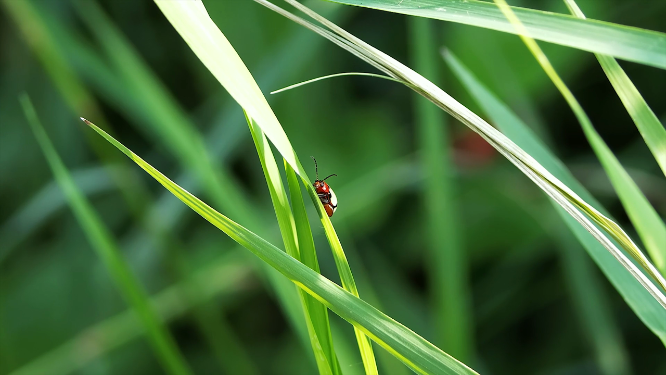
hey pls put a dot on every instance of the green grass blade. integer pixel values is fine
(449, 295)
(195, 26)
(417, 353)
(163, 344)
(624, 42)
(224, 276)
(652, 229)
(646, 121)
(647, 222)
(645, 307)
(322, 352)
(306, 247)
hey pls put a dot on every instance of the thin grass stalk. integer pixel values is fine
(447, 263)
(317, 311)
(554, 188)
(102, 241)
(652, 131)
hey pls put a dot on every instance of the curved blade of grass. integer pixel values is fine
(195, 26)
(624, 42)
(555, 189)
(649, 226)
(643, 305)
(102, 241)
(322, 345)
(226, 275)
(448, 264)
(653, 133)
(332, 76)
(417, 353)
(306, 247)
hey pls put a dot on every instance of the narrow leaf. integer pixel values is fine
(624, 42)
(318, 312)
(648, 224)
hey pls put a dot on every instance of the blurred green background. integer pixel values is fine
(532, 289)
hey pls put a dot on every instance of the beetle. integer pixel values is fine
(324, 192)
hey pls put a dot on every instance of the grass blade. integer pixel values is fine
(306, 247)
(624, 42)
(647, 222)
(331, 76)
(159, 337)
(449, 283)
(417, 353)
(645, 307)
(321, 344)
(193, 23)
(579, 209)
(654, 134)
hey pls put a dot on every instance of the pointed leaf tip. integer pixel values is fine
(86, 121)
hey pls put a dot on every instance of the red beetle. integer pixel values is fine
(325, 193)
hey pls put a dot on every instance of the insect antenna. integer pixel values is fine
(330, 176)
(316, 169)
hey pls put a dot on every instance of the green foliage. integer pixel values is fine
(442, 235)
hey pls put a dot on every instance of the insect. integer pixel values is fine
(325, 193)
